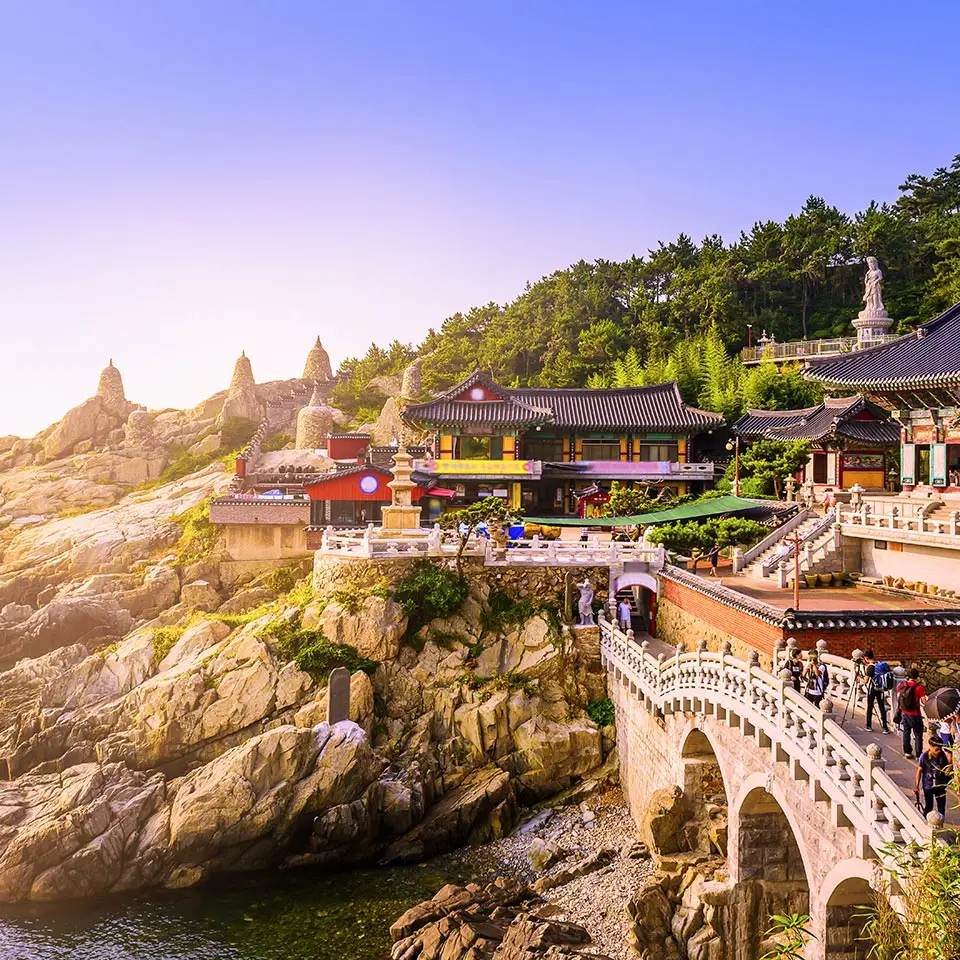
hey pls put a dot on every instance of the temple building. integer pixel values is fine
(851, 440)
(917, 378)
(552, 451)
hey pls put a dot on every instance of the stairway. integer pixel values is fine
(755, 567)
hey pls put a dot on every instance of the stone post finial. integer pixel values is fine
(874, 751)
(701, 644)
(785, 675)
(754, 658)
(935, 819)
(826, 707)
(726, 647)
(821, 645)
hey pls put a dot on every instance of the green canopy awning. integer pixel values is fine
(729, 506)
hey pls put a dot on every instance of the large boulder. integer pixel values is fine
(375, 629)
(550, 756)
(667, 812)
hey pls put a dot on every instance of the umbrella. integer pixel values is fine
(943, 704)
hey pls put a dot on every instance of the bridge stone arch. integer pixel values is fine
(635, 579)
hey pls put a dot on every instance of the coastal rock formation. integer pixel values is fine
(93, 420)
(164, 751)
(504, 919)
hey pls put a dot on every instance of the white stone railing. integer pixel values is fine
(768, 710)
(780, 561)
(366, 543)
(862, 521)
(742, 560)
(801, 349)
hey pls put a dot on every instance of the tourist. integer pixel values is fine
(624, 615)
(879, 679)
(714, 557)
(934, 772)
(910, 698)
(795, 666)
(816, 678)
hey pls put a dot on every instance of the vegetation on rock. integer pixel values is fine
(163, 640)
(199, 536)
(601, 711)
(428, 592)
(312, 652)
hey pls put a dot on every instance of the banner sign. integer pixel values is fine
(480, 468)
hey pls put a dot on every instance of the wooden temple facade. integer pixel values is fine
(851, 440)
(917, 379)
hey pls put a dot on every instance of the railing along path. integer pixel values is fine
(853, 779)
(515, 553)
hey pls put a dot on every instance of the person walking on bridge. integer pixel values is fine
(934, 772)
(910, 697)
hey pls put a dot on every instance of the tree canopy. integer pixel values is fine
(682, 310)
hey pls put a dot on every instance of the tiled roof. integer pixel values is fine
(927, 357)
(658, 407)
(836, 415)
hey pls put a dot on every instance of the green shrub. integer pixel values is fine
(312, 652)
(281, 580)
(164, 639)
(601, 711)
(429, 591)
(502, 611)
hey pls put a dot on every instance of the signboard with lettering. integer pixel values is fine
(863, 461)
(925, 433)
(908, 455)
(938, 464)
(480, 468)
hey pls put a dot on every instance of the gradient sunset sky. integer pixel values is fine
(182, 180)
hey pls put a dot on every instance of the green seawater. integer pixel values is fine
(298, 915)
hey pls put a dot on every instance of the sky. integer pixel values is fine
(183, 180)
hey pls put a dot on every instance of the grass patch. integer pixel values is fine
(164, 639)
(199, 536)
(509, 681)
(601, 711)
(272, 444)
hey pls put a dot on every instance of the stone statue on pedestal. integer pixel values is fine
(585, 604)
(873, 322)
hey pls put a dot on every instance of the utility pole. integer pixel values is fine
(794, 541)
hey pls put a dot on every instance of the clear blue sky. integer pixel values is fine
(181, 180)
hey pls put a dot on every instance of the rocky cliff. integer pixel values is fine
(162, 719)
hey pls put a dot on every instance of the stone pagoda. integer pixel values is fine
(873, 322)
(314, 422)
(242, 402)
(401, 516)
(317, 367)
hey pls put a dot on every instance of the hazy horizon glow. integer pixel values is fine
(181, 181)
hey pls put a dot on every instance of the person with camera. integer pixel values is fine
(878, 679)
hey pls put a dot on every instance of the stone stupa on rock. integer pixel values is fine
(242, 402)
(110, 391)
(314, 422)
(317, 368)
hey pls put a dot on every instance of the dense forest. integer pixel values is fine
(682, 311)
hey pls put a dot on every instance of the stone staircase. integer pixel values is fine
(764, 560)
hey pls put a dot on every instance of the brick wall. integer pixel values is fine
(687, 616)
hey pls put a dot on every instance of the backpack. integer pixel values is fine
(825, 676)
(882, 676)
(908, 698)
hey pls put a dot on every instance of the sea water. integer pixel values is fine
(297, 915)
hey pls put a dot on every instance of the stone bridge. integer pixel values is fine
(812, 814)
